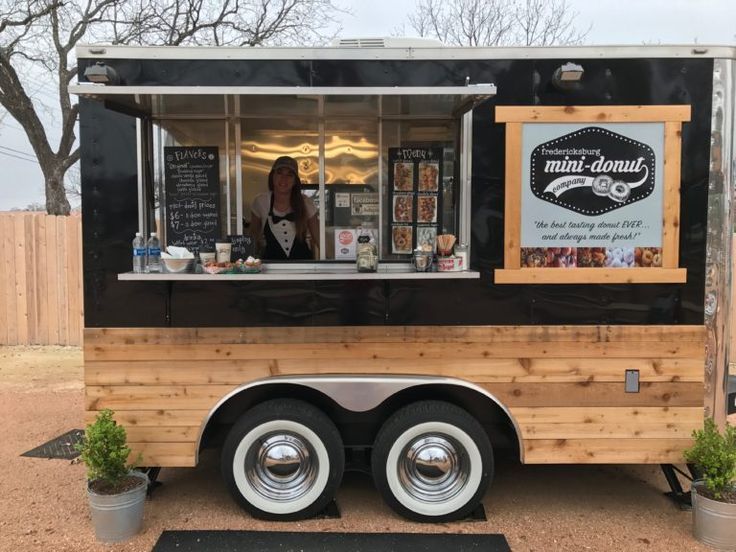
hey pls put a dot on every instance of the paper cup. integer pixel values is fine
(207, 256)
(223, 251)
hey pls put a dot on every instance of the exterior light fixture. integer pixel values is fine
(567, 76)
(101, 73)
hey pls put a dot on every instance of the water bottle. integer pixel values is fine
(139, 253)
(154, 253)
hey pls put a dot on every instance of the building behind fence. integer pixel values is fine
(40, 279)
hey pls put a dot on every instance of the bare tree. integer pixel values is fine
(496, 22)
(38, 37)
(546, 23)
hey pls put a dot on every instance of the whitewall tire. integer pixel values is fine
(283, 460)
(432, 462)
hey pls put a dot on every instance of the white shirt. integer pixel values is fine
(284, 231)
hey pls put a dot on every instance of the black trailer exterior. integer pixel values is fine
(441, 368)
(110, 208)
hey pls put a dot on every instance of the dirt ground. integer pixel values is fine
(43, 505)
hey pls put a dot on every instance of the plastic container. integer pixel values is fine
(366, 259)
(139, 253)
(153, 249)
(461, 251)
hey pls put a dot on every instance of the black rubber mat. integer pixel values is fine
(266, 541)
(60, 447)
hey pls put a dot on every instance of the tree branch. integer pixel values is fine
(70, 159)
(38, 37)
(497, 22)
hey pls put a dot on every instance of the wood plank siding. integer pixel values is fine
(564, 385)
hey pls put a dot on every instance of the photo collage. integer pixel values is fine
(414, 191)
(591, 257)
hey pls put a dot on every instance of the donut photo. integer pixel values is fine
(591, 257)
(561, 257)
(429, 176)
(401, 239)
(427, 235)
(404, 177)
(427, 209)
(647, 257)
(533, 257)
(403, 208)
(620, 257)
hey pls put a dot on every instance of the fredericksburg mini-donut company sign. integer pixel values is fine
(587, 188)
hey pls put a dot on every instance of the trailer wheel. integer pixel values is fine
(283, 460)
(432, 462)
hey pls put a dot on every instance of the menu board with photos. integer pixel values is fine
(414, 197)
(192, 180)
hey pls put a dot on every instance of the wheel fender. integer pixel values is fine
(357, 393)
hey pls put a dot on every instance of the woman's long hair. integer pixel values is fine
(297, 205)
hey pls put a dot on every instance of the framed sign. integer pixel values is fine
(592, 194)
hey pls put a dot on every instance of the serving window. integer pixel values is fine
(592, 194)
(385, 161)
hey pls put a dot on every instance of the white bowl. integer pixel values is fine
(177, 265)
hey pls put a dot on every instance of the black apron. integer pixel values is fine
(274, 251)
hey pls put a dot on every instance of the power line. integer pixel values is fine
(19, 151)
(11, 125)
(18, 157)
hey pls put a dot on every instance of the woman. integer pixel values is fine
(283, 216)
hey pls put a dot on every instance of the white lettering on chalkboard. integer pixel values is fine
(192, 196)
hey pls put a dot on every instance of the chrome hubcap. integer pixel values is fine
(433, 468)
(281, 466)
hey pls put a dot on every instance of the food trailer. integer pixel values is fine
(589, 189)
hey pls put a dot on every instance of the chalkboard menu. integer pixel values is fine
(192, 180)
(415, 177)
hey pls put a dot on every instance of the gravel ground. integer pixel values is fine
(43, 503)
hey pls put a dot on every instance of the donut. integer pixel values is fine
(620, 191)
(656, 259)
(647, 257)
(536, 260)
(629, 257)
(602, 184)
(637, 256)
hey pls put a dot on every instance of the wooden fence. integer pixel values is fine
(40, 279)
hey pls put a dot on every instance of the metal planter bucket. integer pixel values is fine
(714, 523)
(118, 517)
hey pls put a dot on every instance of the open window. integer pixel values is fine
(387, 160)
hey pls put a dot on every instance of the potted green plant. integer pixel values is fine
(714, 494)
(116, 492)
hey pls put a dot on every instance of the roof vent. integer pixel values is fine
(388, 42)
